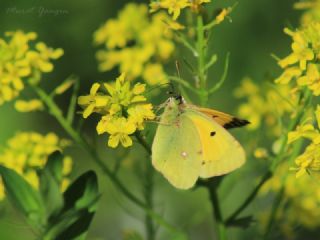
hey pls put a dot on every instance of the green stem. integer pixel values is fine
(149, 188)
(56, 112)
(201, 47)
(274, 210)
(203, 95)
(213, 188)
(249, 199)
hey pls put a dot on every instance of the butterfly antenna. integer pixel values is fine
(156, 87)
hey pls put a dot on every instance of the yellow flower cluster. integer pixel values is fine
(302, 199)
(19, 62)
(135, 43)
(263, 104)
(174, 7)
(302, 64)
(28, 151)
(123, 109)
(309, 160)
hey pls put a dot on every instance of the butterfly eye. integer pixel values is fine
(179, 98)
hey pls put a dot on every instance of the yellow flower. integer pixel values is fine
(119, 129)
(305, 131)
(28, 151)
(28, 106)
(174, 6)
(93, 101)
(196, 4)
(309, 160)
(139, 113)
(122, 95)
(301, 51)
(125, 112)
(288, 75)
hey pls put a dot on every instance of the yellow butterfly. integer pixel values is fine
(193, 142)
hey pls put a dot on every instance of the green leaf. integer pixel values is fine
(50, 182)
(80, 201)
(78, 228)
(23, 196)
(223, 77)
(83, 192)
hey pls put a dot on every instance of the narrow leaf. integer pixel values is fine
(23, 196)
(223, 77)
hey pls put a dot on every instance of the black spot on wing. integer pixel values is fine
(236, 122)
(212, 134)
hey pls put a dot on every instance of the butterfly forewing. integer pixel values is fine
(176, 152)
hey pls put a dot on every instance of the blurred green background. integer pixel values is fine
(254, 33)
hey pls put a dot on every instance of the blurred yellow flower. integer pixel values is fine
(154, 74)
(174, 7)
(124, 112)
(264, 104)
(28, 106)
(133, 40)
(302, 199)
(19, 62)
(260, 153)
(312, 13)
(28, 151)
(223, 14)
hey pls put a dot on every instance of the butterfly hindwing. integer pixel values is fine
(221, 152)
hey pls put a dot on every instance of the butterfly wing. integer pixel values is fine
(221, 153)
(176, 152)
(223, 119)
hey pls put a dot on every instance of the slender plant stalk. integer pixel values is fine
(203, 94)
(55, 111)
(274, 209)
(201, 48)
(149, 187)
(275, 162)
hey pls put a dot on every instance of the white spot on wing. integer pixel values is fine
(184, 154)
